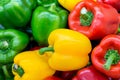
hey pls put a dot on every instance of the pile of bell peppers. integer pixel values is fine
(59, 40)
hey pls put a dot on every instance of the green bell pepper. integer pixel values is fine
(11, 43)
(47, 3)
(16, 13)
(47, 19)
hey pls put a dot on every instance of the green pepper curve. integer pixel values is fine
(16, 13)
(11, 43)
(46, 19)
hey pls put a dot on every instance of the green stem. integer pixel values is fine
(109, 61)
(5, 71)
(86, 17)
(45, 49)
(18, 69)
(112, 57)
(52, 8)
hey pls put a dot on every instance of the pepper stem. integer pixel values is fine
(109, 61)
(3, 44)
(45, 49)
(52, 8)
(18, 69)
(5, 71)
(112, 57)
(86, 17)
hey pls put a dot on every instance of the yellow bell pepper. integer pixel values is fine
(29, 65)
(69, 4)
(69, 49)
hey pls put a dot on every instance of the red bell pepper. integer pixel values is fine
(89, 73)
(106, 56)
(113, 3)
(93, 19)
(119, 18)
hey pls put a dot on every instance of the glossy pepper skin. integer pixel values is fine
(47, 19)
(92, 19)
(119, 18)
(47, 3)
(29, 65)
(89, 73)
(16, 13)
(68, 4)
(106, 56)
(11, 43)
(69, 49)
(113, 3)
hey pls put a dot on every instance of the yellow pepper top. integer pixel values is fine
(32, 66)
(69, 4)
(70, 50)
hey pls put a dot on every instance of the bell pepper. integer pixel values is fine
(29, 65)
(16, 13)
(106, 56)
(92, 19)
(44, 20)
(69, 50)
(119, 18)
(69, 4)
(89, 73)
(113, 3)
(11, 43)
(47, 3)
